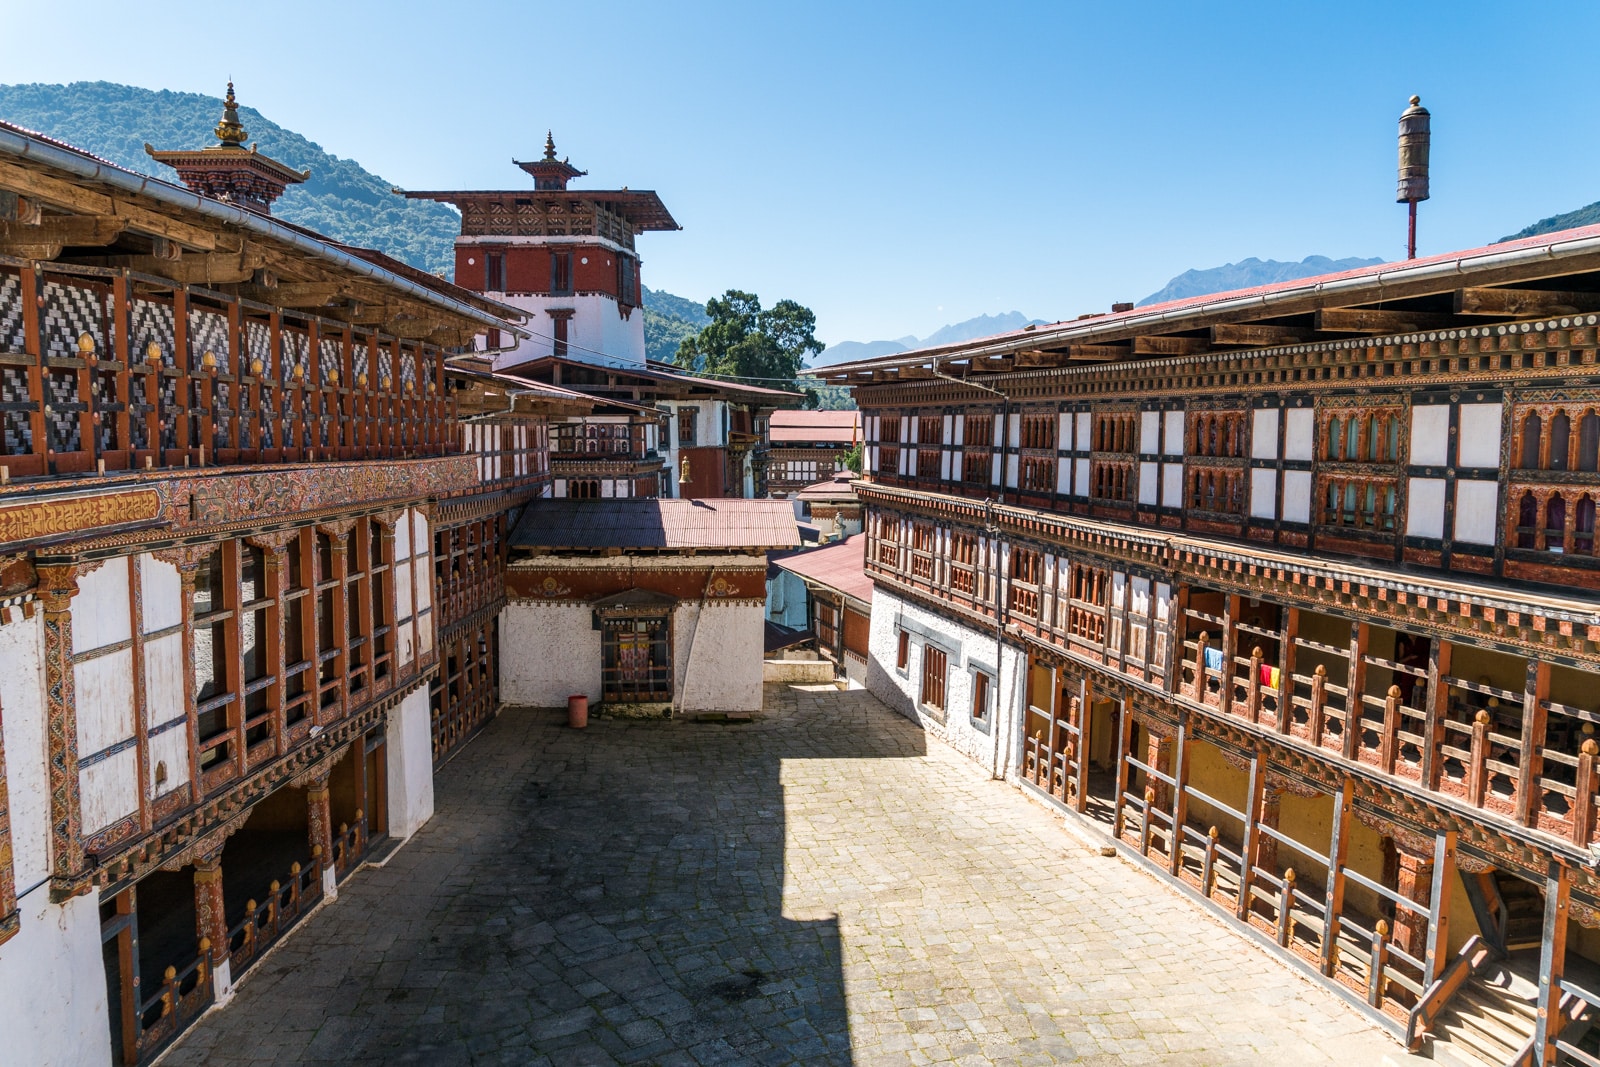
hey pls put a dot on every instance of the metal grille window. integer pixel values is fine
(636, 663)
(934, 667)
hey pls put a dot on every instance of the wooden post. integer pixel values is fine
(1552, 963)
(1144, 820)
(1354, 706)
(1287, 652)
(319, 828)
(1208, 865)
(1200, 643)
(1254, 790)
(1334, 901)
(1478, 769)
(1536, 688)
(1319, 700)
(1230, 643)
(1286, 909)
(1180, 800)
(211, 921)
(1085, 699)
(1389, 744)
(1414, 880)
(1433, 726)
(1444, 879)
(1378, 964)
(1124, 748)
(1253, 686)
(1583, 794)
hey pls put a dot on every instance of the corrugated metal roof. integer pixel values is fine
(841, 566)
(647, 524)
(834, 427)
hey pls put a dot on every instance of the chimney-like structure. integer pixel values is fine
(227, 170)
(550, 174)
(1416, 137)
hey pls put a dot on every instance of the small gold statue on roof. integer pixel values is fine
(229, 131)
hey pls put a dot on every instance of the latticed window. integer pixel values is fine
(1361, 436)
(935, 668)
(1218, 434)
(963, 552)
(1027, 565)
(1038, 474)
(1114, 431)
(1039, 431)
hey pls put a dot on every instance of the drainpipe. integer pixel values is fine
(993, 529)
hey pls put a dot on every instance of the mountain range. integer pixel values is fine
(350, 204)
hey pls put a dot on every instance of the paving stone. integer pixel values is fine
(822, 885)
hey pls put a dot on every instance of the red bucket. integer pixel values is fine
(577, 711)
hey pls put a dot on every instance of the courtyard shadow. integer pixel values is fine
(613, 895)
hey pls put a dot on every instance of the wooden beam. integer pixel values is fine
(1033, 357)
(994, 364)
(1097, 353)
(1372, 320)
(1169, 346)
(76, 198)
(63, 230)
(412, 328)
(915, 372)
(204, 268)
(1524, 303)
(1256, 336)
(297, 294)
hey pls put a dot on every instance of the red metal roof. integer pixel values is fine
(802, 427)
(841, 565)
(1066, 329)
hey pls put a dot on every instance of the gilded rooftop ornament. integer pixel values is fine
(229, 131)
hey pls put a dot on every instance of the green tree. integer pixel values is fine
(851, 457)
(746, 342)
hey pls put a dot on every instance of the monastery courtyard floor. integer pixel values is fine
(818, 887)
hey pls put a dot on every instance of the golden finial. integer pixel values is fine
(1415, 100)
(549, 144)
(229, 131)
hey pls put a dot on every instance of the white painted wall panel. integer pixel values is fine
(1083, 431)
(170, 747)
(402, 536)
(1296, 496)
(1080, 477)
(1264, 494)
(408, 752)
(1172, 435)
(717, 652)
(104, 689)
(1149, 483)
(1064, 430)
(1172, 485)
(1149, 432)
(1479, 436)
(110, 789)
(1477, 511)
(1299, 433)
(960, 431)
(101, 610)
(161, 591)
(1430, 435)
(1064, 477)
(402, 589)
(53, 985)
(567, 660)
(1014, 429)
(1425, 507)
(26, 754)
(1264, 434)
(164, 683)
(1011, 471)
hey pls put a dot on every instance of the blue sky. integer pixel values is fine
(900, 166)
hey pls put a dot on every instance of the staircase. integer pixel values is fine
(1488, 1022)
(1524, 918)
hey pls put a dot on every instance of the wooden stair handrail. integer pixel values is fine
(1568, 1010)
(1471, 959)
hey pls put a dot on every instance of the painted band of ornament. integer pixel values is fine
(41, 519)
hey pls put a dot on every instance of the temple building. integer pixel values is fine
(1292, 592)
(567, 258)
(807, 447)
(254, 506)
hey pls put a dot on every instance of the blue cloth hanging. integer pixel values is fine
(1213, 659)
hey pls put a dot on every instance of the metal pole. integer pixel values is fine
(1411, 231)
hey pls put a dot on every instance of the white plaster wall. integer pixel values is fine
(408, 741)
(547, 653)
(595, 324)
(27, 756)
(53, 985)
(967, 649)
(718, 653)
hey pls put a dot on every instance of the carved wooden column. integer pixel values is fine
(319, 828)
(1158, 755)
(1271, 810)
(57, 586)
(211, 921)
(9, 921)
(1414, 881)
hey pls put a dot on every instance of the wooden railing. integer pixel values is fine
(263, 924)
(177, 1001)
(349, 845)
(1473, 957)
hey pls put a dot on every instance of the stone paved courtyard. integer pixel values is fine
(818, 887)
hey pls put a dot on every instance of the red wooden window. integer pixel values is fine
(934, 667)
(903, 656)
